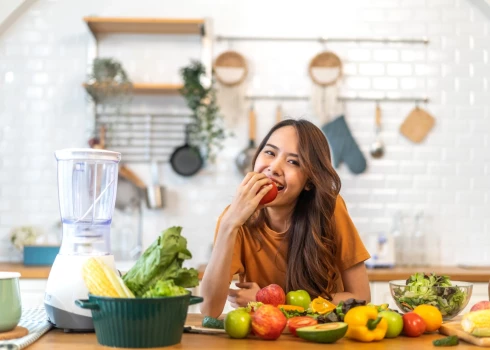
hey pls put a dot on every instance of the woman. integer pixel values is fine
(303, 239)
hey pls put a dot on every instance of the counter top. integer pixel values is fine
(58, 340)
(26, 271)
(468, 274)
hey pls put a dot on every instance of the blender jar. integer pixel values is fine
(87, 183)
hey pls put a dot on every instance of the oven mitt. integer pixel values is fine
(344, 147)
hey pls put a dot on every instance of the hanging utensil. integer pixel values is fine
(230, 68)
(417, 125)
(244, 159)
(186, 160)
(131, 176)
(278, 114)
(100, 143)
(155, 193)
(377, 147)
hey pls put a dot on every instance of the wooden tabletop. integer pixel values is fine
(26, 271)
(470, 274)
(58, 340)
(467, 274)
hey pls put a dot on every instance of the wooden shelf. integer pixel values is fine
(100, 25)
(152, 88)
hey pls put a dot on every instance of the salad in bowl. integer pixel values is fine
(450, 297)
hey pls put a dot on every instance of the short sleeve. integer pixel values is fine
(236, 261)
(350, 249)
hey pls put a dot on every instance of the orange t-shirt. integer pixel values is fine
(265, 262)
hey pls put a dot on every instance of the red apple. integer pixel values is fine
(268, 322)
(481, 305)
(273, 294)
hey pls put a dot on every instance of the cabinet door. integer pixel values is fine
(380, 294)
(32, 292)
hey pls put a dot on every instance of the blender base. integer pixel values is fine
(82, 323)
(65, 285)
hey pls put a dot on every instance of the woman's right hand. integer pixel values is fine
(249, 193)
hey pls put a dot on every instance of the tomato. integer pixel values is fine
(299, 298)
(431, 316)
(413, 324)
(299, 322)
(270, 196)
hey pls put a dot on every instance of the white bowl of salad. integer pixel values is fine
(450, 297)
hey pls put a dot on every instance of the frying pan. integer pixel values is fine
(186, 160)
(244, 159)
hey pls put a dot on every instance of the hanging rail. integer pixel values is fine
(342, 98)
(324, 39)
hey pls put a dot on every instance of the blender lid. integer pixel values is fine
(87, 154)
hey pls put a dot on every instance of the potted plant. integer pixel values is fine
(108, 82)
(207, 132)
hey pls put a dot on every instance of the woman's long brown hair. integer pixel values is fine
(312, 245)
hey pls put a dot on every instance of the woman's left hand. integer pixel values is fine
(241, 297)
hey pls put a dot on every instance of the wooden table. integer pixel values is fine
(58, 340)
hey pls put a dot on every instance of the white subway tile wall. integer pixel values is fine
(43, 61)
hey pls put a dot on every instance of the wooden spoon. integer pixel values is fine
(377, 147)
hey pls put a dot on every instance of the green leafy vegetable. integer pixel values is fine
(430, 289)
(165, 289)
(162, 261)
(452, 340)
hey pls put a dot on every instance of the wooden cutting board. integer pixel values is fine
(454, 328)
(417, 125)
(17, 332)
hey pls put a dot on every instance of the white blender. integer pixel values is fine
(87, 183)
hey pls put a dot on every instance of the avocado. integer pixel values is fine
(323, 333)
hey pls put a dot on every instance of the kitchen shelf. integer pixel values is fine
(101, 25)
(153, 88)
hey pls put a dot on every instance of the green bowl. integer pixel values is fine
(138, 322)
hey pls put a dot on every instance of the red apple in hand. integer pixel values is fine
(268, 322)
(481, 305)
(273, 294)
(271, 195)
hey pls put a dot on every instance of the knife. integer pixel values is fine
(203, 330)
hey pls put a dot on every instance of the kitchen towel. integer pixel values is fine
(344, 147)
(36, 321)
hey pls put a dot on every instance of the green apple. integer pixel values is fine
(395, 323)
(238, 323)
(299, 298)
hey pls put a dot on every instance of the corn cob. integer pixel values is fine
(477, 323)
(103, 281)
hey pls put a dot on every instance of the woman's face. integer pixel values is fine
(279, 161)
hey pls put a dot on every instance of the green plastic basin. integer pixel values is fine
(138, 322)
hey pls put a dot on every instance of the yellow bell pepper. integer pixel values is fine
(364, 324)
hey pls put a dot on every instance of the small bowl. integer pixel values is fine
(138, 322)
(444, 298)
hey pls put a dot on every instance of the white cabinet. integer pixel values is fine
(32, 292)
(196, 308)
(380, 294)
